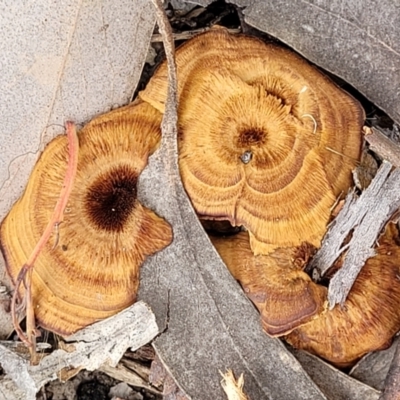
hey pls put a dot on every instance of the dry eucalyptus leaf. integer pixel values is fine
(373, 368)
(69, 60)
(103, 342)
(334, 383)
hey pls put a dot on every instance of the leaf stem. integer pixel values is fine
(25, 275)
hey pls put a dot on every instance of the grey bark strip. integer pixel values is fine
(209, 324)
(365, 217)
(100, 343)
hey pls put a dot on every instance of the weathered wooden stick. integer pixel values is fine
(350, 216)
(364, 217)
(377, 213)
(382, 145)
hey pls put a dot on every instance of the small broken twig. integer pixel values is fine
(382, 145)
(25, 275)
(189, 34)
(232, 387)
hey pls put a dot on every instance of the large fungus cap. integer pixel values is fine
(285, 296)
(89, 269)
(266, 140)
(369, 318)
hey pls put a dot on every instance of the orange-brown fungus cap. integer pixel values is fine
(266, 140)
(285, 295)
(369, 318)
(89, 269)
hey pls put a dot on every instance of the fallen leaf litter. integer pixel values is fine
(278, 100)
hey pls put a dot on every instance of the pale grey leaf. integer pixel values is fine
(373, 368)
(70, 59)
(334, 383)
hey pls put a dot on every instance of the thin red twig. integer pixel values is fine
(25, 275)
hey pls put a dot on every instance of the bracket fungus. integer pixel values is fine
(266, 140)
(291, 304)
(89, 269)
(283, 293)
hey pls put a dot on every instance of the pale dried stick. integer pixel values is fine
(233, 388)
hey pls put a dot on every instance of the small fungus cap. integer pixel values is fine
(283, 293)
(266, 140)
(89, 269)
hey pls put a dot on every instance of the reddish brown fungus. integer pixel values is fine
(93, 270)
(285, 295)
(266, 140)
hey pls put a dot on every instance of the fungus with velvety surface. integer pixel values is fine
(89, 269)
(291, 304)
(369, 318)
(285, 296)
(266, 140)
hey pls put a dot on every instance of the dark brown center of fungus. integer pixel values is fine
(111, 198)
(251, 137)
